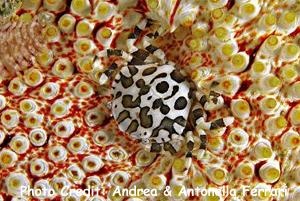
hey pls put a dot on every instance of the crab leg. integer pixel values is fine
(211, 102)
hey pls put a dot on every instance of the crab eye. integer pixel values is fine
(39, 167)
(49, 90)
(7, 158)
(81, 7)
(66, 23)
(14, 183)
(38, 137)
(77, 145)
(218, 175)
(290, 140)
(84, 46)
(10, 118)
(245, 170)
(120, 178)
(83, 90)
(75, 173)
(63, 68)
(17, 87)
(51, 33)
(84, 28)
(64, 128)
(57, 153)
(2, 102)
(92, 163)
(270, 172)
(33, 120)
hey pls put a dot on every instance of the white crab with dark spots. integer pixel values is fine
(152, 103)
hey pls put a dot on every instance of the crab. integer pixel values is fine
(154, 103)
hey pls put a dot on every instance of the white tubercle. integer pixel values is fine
(270, 83)
(10, 118)
(38, 137)
(28, 106)
(84, 46)
(84, 28)
(81, 7)
(63, 68)
(120, 178)
(294, 115)
(229, 84)
(218, 175)
(33, 120)
(289, 52)
(245, 170)
(45, 186)
(92, 163)
(77, 145)
(238, 139)
(14, 183)
(105, 36)
(275, 125)
(249, 10)
(75, 173)
(270, 171)
(57, 153)
(260, 68)
(66, 23)
(2, 102)
(49, 90)
(288, 22)
(103, 138)
(33, 77)
(240, 108)
(54, 5)
(104, 11)
(8, 158)
(262, 150)
(39, 167)
(290, 140)
(83, 90)
(64, 128)
(17, 86)
(214, 4)
(19, 144)
(268, 105)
